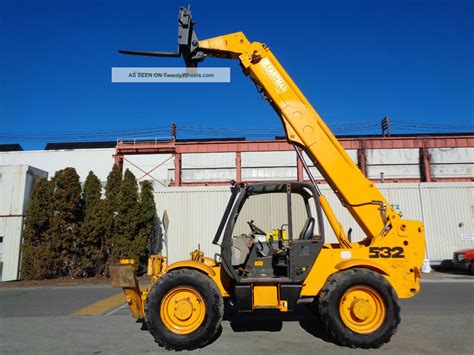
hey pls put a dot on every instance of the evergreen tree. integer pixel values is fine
(91, 192)
(112, 188)
(35, 249)
(93, 229)
(128, 218)
(147, 224)
(64, 226)
(112, 191)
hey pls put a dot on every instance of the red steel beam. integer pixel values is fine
(425, 165)
(238, 146)
(238, 167)
(177, 169)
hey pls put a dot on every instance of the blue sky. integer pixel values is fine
(356, 61)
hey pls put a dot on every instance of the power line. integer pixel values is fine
(222, 132)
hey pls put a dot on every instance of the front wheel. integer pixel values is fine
(184, 310)
(359, 308)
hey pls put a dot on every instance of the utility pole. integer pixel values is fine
(385, 127)
(173, 131)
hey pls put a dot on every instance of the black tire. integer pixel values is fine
(331, 296)
(313, 307)
(214, 309)
(471, 268)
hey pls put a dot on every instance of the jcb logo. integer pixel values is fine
(386, 252)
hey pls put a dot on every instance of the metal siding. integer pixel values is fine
(268, 159)
(393, 171)
(195, 213)
(12, 186)
(448, 210)
(392, 156)
(452, 162)
(393, 163)
(207, 167)
(16, 183)
(208, 160)
(262, 174)
(207, 175)
(452, 170)
(451, 155)
(10, 229)
(262, 166)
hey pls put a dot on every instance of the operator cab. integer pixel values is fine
(271, 232)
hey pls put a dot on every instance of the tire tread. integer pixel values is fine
(348, 338)
(217, 306)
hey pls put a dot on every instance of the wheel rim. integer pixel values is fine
(362, 309)
(182, 310)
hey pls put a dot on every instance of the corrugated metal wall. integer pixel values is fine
(259, 166)
(16, 183)
(449, 211)
(393, 163)
(208, 167)
(446, 208)
(452, 162)
(10, 230)
(194, 214)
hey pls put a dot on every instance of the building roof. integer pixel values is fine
(11, 147)
(112, 144)
(80, 145)
(403, 135)
(212, 139)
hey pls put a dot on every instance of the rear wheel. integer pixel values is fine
(184, 310)
(359, 308)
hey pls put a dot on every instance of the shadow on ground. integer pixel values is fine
(272, 321)
(268, 321)
(447, 267)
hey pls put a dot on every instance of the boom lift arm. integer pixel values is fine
(305, 128)
(303, 125)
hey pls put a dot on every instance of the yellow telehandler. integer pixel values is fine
(355, 286)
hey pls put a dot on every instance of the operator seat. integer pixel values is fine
(240, 249)
(307, 232)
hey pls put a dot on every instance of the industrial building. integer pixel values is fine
(430, 178)
(403, 158)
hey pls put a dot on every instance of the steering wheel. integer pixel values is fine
(255, 229)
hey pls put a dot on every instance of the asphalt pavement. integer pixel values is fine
(39, 320)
